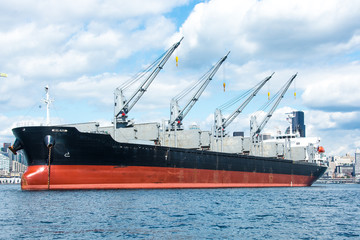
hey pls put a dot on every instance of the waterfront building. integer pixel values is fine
(344, 171)
(357, 163)
(330, 171)
(344, 160)
(341, 166)
(4, 164)
(5, 147)
(11, 164)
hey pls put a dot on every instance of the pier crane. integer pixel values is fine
(176, 114)
(221, 123)
(255, 129)
(122, 105)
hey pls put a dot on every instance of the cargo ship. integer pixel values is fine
(150, 155)
(64, 158)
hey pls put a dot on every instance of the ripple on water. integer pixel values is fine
(321, 212)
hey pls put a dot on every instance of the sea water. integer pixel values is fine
(317, 212)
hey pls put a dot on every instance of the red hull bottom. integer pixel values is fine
(66, 177)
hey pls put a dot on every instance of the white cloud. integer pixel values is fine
(15, 92)
(98, 88)
(85, 49)
(275, 30)
(57, 51)
(284, 37)
(333, 89)
(64, 39)
(325, 121)
(67, 11)
(8, 123)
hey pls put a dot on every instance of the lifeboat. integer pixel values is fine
(321, 149)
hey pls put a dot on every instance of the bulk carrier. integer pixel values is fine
(154, 155)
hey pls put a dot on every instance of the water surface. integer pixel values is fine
(317, 212)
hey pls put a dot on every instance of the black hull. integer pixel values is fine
(74, 148)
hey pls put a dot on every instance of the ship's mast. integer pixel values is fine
(47, 101)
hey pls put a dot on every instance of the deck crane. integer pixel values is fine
(256, 129)
(176, 114)
(122, 105)
(221, 123)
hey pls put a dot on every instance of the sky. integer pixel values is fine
(84, 50)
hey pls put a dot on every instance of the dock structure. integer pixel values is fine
(336, 180)
(10, 180)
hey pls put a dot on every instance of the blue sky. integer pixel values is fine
(85, 49)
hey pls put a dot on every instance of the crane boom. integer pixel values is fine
(177, 115)
(123, 106)
(236, 113)
(268, 116)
